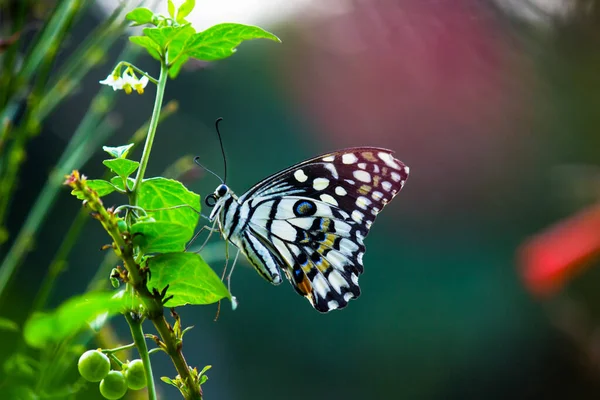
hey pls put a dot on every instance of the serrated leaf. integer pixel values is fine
(72, 316)
(8, 325)
(140, 16)
(174, 227)
(100, 186)
(122, 166)
(185, 9)
(118, 152)
(220, 41)
(190, 279)
(151, 47)
(171, 8)
(118, 182)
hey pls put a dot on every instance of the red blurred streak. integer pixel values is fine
(548, 260)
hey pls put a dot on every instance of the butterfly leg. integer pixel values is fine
(211, 229)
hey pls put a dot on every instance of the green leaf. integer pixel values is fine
(176, 215)
(140, 16)
(100, 186)
(73, 315)
(178, 42)
(118, 152)
(160, 237)
(122, 166)
(220, 41)
(190, 279)
(160, 36)
(171, 8)
(151, 47)
(185, 9)
(169, 381)
(176, 66)
(8, 325)
(118, 182)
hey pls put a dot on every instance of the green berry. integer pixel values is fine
(122, 225)
(93, 365)
(113, 386)
(135, 375)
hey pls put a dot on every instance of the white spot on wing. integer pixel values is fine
(337, 259)
(357, 216)
(284, 230)
(362, 176)
(349, 158)
(406, 170)
(340, 191)
(337, 281)
(359, 257)
(300, 176)
(362, 165)
(332, 305)
(396, 176)
(386, 185)
(327, 198)
(363, 202)
(354, 279)
(377, 195)
(320, 183)
(348, 245)
(320, 285)
(388, 160)
(329, 158)
(350, 181)
(332, 169)
(348, 295)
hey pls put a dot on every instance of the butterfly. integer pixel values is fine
(311, 219)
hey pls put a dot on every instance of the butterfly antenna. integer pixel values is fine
(222, 148)
(206, 169)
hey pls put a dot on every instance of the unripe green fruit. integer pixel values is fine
(93, 365)
(113, 386)
(135, 375)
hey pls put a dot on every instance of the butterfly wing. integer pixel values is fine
(315, 216)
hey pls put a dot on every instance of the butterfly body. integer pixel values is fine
(310, 221)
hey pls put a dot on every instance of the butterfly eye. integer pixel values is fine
(210, 200)
(222, 190)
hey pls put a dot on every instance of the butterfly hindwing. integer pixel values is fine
(314, 217)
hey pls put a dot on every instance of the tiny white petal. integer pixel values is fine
(144, 81)
(112, 81)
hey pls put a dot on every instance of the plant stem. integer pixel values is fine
(160, 91)
(117, 349)
(139, 71)
(135, 325)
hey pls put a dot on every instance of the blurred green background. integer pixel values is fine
(495, 106)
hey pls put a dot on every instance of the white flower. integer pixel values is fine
(141, 84)
(129, 82)
(113, 81)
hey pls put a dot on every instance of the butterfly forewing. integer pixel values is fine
(313, 217)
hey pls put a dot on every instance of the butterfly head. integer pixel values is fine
(217, 199)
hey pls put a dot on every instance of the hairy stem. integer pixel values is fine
(135, 325)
